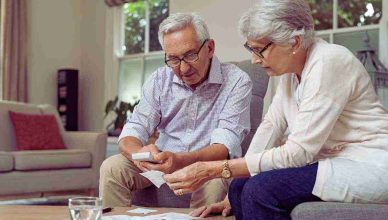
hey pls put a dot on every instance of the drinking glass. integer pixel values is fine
(85, 208)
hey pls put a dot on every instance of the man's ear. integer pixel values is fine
(211, 47)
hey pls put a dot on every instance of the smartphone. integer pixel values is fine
(143, 156)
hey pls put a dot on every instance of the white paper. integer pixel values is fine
(155, 176)
(170, 215)
(142, 211)
(164, 216)
(117, 217)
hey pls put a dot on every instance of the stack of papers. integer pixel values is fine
(164, 216)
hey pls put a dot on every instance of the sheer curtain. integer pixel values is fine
(13, 55)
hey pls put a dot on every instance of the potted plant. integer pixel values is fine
(121, 109)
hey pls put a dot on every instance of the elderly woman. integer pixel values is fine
(337, 143)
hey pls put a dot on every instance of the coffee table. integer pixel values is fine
(31, 212)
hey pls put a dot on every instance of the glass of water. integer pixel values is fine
(85, 208)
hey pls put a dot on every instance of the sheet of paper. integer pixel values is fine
(164, 216)
(142, 211)
(171, 216)
(117, 217)
(155, 176)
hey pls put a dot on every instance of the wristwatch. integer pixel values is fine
(226, 173)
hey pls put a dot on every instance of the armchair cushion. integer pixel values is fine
(337, 210)
(52, 159)
(6, 161)
(36, 131)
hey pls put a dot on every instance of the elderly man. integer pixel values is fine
(199, 106)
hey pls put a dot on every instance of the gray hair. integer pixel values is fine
(179, 21)
(279, 21)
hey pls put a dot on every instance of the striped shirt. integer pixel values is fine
(217, 111)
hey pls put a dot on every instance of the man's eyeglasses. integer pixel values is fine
(257, 51)
(188, 58)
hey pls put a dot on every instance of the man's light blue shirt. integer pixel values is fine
(217, 111)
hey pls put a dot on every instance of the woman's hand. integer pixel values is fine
(188, 179)
(221, 207)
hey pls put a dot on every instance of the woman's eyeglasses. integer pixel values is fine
(258, 51)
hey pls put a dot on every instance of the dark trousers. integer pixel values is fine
(272, 194)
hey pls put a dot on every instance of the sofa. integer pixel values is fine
(31, 171)
(164, 196)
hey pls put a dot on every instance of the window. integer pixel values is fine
(140, 52)
(345, 22)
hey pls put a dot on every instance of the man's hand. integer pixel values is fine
(215, 208)
(169, 162)
(190, 178)
(148, 148)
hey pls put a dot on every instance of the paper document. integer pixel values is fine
(155, 176)
(142, 211)
(117, 217)
(171, 216)
(164, 216)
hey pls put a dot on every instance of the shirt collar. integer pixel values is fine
(215, 76)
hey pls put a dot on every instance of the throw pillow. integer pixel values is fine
(36, 131)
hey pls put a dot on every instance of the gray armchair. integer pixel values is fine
(340, 211)
(164, 197)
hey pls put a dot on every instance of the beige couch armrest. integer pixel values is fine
(95, 142)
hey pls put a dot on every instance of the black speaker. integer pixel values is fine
(68, 98)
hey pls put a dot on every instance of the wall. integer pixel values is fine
(69, 34)
(92, 87)
(53, 43)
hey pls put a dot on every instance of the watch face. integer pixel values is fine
(226, 174)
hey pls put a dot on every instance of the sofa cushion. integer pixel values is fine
(6, 162)
(7, 136)
(337, 210)
(52, 159)
(36, 131)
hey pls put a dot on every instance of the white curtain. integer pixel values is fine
(13, 51)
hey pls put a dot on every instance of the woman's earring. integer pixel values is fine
(293, 52)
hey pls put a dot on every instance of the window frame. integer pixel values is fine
(120, 37)
(336, 30)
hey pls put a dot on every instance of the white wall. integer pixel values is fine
(91, 99)
(53, 42)
(71, 34)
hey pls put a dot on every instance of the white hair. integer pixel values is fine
(179, 21)
(279, 21)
